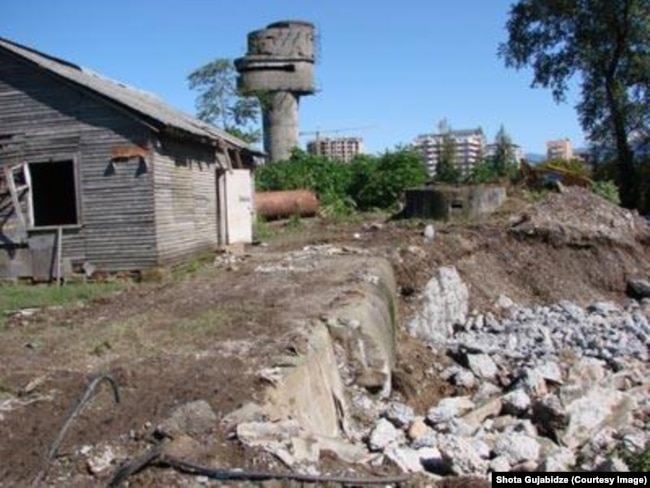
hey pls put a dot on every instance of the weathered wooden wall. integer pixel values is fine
(185, 200)
(117, 207)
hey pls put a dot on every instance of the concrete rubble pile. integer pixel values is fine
(554, 387)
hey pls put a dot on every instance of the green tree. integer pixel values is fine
(484, 172)
(504, 160)
(607, 44)
(446, 169)
(394, 172)
(220, 103)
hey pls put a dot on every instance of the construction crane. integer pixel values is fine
(317, 133)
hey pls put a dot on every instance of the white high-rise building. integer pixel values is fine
(469, 146)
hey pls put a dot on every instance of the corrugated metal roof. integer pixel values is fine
(139, 101)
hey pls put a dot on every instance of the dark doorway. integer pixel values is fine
(54, 193)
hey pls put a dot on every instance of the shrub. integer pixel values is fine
(386, 181)
(606, 189)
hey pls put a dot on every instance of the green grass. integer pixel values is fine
(17, 297)
(194, 267)
(639, 462)
(262, 230)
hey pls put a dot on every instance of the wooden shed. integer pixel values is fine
(98, 175)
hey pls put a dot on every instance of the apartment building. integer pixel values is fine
(559, 149)
(340, 148)
(469, 148)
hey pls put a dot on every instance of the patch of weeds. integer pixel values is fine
(295, 222)
(536, 196)
(102, 348)
(639, 462)
(262, 230)
(193, 267)
(200, 326)
(21, 296)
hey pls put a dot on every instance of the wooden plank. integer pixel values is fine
(30, 199)
(11, 184)
(42, 249)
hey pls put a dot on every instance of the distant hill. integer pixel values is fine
(534, 158)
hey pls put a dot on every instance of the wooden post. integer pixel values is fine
(59, 245)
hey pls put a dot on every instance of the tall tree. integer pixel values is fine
(446, 169)
(606, 43)
(504, 157)
(220, 103)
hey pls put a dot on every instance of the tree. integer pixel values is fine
(388, 177)
(446, 169)
(606, 43)
(220, 103)
(504, 159)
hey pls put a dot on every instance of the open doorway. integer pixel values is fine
(54, 193)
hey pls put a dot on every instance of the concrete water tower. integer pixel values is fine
(278, 68)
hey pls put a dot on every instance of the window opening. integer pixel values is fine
(54, 193)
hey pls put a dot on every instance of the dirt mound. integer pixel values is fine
(578, 217)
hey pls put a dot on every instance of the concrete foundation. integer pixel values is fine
(351, 342)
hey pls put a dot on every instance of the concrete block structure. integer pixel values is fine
(278, 69)
(444, 202)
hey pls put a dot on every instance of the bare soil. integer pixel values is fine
(203, 335)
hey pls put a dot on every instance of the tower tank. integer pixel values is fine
(278, 68)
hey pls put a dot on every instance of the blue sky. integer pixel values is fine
(395, 68)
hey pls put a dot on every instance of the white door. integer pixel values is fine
(236, 201)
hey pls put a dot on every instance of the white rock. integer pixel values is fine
(429, 233)
(504, 302)
(486, 391)
(383, 434)
(561, 459)
(500, 464)
(481, 448)
(399, 414)
(262, 433)
(517, 448)
(460, 458)
(550, 371)
(100, 460)
(601, 407)
(461, 428)
(517, 402)
(407, 459)
(449, 408)
(464, 379)
(482, 366)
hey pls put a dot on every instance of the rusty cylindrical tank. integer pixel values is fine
(280, 204)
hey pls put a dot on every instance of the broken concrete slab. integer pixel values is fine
(445, 303)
